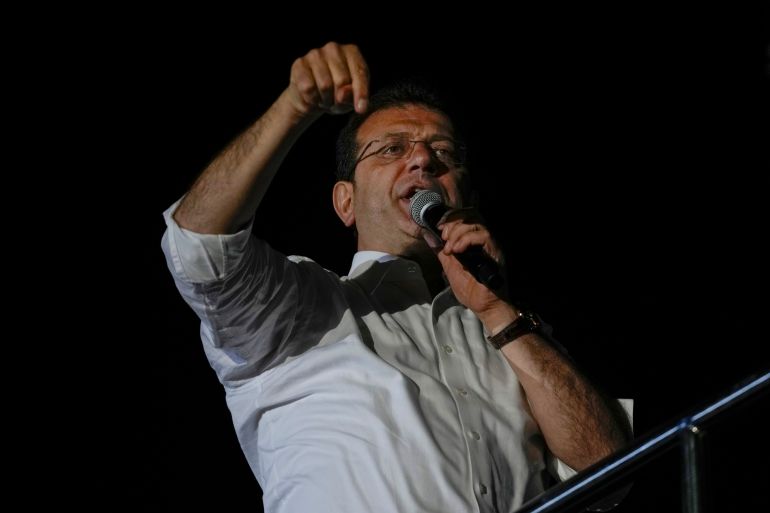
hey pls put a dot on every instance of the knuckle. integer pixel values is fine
(297, 66)
(305, 85)
(341, 80)
(310, 98)
(331, 45)
(325, 85)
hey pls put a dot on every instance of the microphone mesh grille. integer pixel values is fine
(419, 202)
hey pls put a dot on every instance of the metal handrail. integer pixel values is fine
(687, 431)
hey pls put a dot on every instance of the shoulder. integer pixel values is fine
(308, 265)
(297, 259)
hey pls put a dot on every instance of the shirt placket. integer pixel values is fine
(455, 364)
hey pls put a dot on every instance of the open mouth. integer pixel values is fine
(407, 197)
(411, 192)
(406, 200)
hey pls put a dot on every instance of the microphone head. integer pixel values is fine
(420, 203)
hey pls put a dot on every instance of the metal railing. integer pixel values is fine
(688, 431)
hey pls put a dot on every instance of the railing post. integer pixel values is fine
(692, 470)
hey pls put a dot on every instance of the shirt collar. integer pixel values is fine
(372, 268)
(379, 266)
(365, 256)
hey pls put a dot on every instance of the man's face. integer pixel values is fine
(383, 188)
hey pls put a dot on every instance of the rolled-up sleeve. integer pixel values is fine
(201, 258)
(246, 294)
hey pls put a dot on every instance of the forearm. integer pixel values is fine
(230, 189)
(580, 424)
(577, 421)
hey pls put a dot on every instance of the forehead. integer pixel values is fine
(418, 120)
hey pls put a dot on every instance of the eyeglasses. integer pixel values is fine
(389, 149)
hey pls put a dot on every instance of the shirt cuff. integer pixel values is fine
(199, 257)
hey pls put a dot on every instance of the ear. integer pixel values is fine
(343, 202)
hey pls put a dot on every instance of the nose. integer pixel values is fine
(421, 158)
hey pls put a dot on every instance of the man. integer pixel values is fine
(384, 390)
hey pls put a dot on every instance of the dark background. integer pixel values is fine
(621, 158)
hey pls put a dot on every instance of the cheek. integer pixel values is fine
(377, 190)
(372, 201)
(452, 189)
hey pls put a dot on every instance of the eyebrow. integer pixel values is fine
(434, 137)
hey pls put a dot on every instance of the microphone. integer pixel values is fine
(426, 208)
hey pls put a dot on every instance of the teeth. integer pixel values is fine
(409, 194)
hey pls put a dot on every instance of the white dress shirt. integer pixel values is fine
(359, 393)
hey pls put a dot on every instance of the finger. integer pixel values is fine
(322, 76)
(340, 72)
(467, 240)
(465, 236)
(344, 96)
(302, 78)
(485, 243)
(359, 73)
(453, 229)
(468, 214)
(448, 262)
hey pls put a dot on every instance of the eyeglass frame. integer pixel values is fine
(460, 147)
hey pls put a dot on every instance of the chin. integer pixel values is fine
(417, 246)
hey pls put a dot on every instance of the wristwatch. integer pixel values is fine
(526, 322)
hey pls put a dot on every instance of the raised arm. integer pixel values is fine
(225, 196)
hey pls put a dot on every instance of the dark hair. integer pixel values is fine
(399, 94)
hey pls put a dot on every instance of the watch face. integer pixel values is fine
(533, 319)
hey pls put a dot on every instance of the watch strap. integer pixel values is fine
(526, 322)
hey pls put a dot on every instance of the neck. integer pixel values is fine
(418, 251)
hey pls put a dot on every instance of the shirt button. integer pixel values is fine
(475, 435)
(482, 489)
(462, 392)
(448, 349)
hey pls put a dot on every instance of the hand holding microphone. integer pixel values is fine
(426, 209)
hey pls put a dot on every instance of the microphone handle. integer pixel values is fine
(474, 259)
(481, 266)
